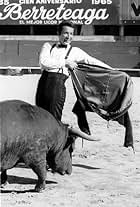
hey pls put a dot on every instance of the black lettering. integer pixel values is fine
(136, 9)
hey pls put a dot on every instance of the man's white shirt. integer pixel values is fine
(54, 59)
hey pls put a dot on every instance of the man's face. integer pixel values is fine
(66, 35)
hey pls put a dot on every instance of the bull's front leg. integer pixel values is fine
(36, 160)
(126, 122)
(40, 170)
(4, 178)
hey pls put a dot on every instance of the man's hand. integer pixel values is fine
(70, 64)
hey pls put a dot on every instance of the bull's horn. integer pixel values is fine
(82, 134)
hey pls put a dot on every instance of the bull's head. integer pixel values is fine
(62, 163)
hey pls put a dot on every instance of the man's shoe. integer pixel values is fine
(129, 151)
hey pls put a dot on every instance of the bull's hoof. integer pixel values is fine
(47, 167)
(39, 188)
(2, 185)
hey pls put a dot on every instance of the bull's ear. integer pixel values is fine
(70, 141)
(72, 136)
(73, 144)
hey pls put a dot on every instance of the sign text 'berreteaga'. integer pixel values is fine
(39, 12)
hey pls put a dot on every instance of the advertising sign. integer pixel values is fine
(130, 11)
(52, 12)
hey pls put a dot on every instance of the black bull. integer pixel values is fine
(32, 135)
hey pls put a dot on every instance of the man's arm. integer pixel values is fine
(95, 61)
(83, 57)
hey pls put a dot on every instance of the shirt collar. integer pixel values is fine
(60, 45)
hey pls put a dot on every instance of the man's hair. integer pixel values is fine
(64, 23)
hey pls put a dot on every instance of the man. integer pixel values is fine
(56, 60)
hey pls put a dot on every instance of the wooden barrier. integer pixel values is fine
(19, 70)
(22, 51)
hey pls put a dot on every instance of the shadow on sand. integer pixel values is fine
(23, 181)
(86, 167)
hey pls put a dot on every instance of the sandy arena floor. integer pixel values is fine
(105, 174)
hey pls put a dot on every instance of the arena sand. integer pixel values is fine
(105, 174)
